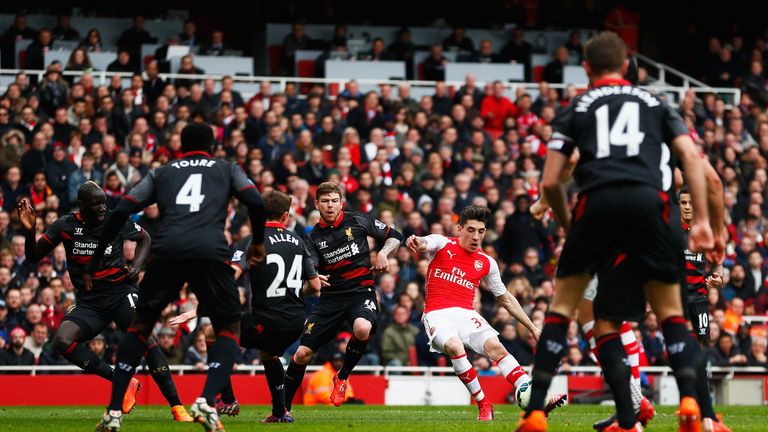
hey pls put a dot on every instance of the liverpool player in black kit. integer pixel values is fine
(276, 319)
(113, 296)
(192, 195)
(339, 247)
(624, 175)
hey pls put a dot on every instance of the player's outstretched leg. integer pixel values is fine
(128, 357)
(684, 352)
(227, 404)
(551, 347)
(294, 375)
(614, 362)
(515, 374)
(161, 373)
(467, 375)
(68, 341)
(221, 358)
(356, 347)
(275, 374)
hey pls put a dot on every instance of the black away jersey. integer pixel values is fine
(340, 250)
(695, 272)
(276, 285)
(622, 133)
(192, 195)
(80, 242)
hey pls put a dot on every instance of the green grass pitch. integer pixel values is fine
(351, 418)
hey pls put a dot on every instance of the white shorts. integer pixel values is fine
(591, 292)
(466, 325)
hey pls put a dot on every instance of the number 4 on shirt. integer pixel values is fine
(190, 194)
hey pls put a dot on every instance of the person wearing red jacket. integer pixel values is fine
(495, 108)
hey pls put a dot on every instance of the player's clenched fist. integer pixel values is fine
(381, 264)
(701, 238)
(256, 254)
(415, 244)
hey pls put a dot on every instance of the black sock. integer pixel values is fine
(294, 376)
(355, 350)
(128, 357)
(275, 374)
(702, 389)
(228, 392)
(615, 364)
(85, 359)
(161, 373)
(221, 359)
(684, 354)
(549, 352)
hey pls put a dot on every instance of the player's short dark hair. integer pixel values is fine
(276, 204)
(196, 137)
(86, 190)
(327, 188)
(684, 190)
(473, 212)
(605, 52)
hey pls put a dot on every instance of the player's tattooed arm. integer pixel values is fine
(382, 261)
(34, 250)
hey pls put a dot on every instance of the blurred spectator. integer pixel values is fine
(188, 35)
(495, 109)
(398, 339)
(37, 340)
(574, 45)
(17, 30)
(294, 41)
(434, 65)
(403, 49)
(131, 40)
(485, 53)
(216, 46)
(197, 353)
(521, 232)
(734, 316)
(553, 71)
(377, 52)
(320, 384)
(167, 343)
(727, 353)
(63, 30)
(518, 50)
(123, 63)
(16, 354)
(458, 42)
(757, 355)
(187, 67)
(92, 41)
(35, 58)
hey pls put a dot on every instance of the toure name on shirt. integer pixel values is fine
(207, 163)
(283, 238)
(344, 252)
(455, 276)
(597, 93)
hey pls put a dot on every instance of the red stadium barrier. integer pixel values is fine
(20, 390)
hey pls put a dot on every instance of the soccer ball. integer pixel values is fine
(523, 395)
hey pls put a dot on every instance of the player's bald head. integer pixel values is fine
(88, 191)
(196, 137)
(605, 53)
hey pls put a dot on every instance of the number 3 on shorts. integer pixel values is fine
(477, 322)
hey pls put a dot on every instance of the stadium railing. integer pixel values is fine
(249, 85)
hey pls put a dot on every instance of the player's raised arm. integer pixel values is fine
(246, 192)
(35, 249)
(507, 300)
(430, 243)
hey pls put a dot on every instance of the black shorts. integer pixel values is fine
(698, 315)
(620, 296)
(633, 219)
(263, 334)
(212, 282)
(95, 315)
(333, 311)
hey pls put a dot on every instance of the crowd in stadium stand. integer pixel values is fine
(413, 164)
